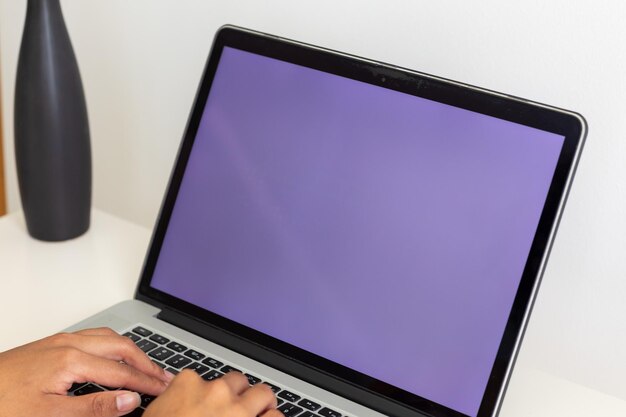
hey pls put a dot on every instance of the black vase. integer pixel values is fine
(52, 146)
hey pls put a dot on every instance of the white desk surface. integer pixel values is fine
(49, 286)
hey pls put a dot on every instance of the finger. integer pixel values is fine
(258, 399)
(236, 382)
(98, 331)
(185, 380)
(111, 373)
(272, 413)
(102, 404)
(114, 347)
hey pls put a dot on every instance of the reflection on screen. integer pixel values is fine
(382, 231)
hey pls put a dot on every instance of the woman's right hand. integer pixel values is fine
(188, 395)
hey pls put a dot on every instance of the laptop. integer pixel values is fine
(366, 239)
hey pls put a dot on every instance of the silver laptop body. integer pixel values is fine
(367, 238)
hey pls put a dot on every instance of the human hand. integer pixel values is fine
(229, 396)
(36, 377)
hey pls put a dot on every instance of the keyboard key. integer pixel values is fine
(178, 361)
(146, 400)
(141, 331)
(252, 380)
(159, 339)
(274, 388)
(172, 370)
(146, 345)
(194, 355)
(213, 363)
(308, 414)
(309, 405)
(132, 336)
(228, 369)
(137, 412)
(211, 375)
(289, 396)
(161, 353)
(198, 367)
(279, 401)
(159, 363)
(289, 409)
(87, 389)
(176, 347)
(327, 412)
(75, 386)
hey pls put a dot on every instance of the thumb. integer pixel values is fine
(104, 404)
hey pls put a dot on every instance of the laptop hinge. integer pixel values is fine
(286, 364)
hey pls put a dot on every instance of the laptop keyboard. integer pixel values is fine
(174, 357)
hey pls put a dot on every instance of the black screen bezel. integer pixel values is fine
(567, 124)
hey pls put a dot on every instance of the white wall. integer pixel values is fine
(141, 61)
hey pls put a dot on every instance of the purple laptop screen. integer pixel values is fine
(382, 231)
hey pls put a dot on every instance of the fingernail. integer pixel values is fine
(168, 375)
(127, 401)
